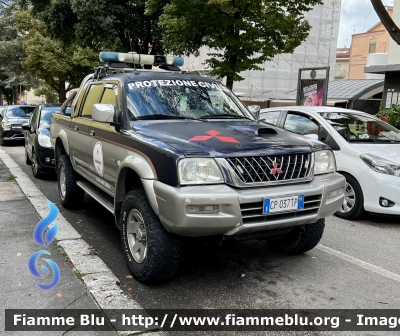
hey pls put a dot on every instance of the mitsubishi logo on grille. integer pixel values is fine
(213, 134)
(276, 169)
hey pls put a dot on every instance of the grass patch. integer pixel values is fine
(11, 177)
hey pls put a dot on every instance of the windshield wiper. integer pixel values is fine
(163, 116)
(362, 140)
(235, 116)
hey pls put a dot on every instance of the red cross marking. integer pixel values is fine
(276, 169)
(213, 134)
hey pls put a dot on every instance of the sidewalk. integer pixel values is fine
(18, 219)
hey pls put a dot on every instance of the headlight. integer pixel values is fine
(44, 141)
(6, 126)
(381, 165)
(199, 171)
(324, 162)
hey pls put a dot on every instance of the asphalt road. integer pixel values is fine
(357, 265)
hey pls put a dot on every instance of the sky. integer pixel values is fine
(358, 16)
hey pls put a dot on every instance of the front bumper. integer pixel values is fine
(13, 134)
(240, 210)
(45, 158)
(376, 185)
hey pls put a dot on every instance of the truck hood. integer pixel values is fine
(223, 138)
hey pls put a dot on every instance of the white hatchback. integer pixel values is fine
(367, 152)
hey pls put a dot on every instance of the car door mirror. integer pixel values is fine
(255, 111)
(103, 113)
(26, 127)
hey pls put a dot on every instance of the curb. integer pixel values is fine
(99, 280)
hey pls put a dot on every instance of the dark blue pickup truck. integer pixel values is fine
(177, 157)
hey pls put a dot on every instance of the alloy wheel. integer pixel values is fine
(136, 234)
(349, 199)
(63, 182)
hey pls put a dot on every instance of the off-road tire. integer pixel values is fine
(301, 239)
(35, 166)
(358, 208)
(27, 159)
(163, 248)
(73, 194)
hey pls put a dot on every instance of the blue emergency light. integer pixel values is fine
(111, 56)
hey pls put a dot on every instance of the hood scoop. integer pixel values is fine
(266, 131)
(255, 129)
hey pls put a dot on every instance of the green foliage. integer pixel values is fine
(241, 34)
(60, 66)
(48, 92)
(392, 113)
(13, 77)
(100, 24)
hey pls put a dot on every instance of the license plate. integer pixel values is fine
(283, 204)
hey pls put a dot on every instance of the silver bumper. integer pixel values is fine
(15, 137)
(240, 210)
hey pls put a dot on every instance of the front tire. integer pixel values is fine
(70, 194)
(301, 239)
(3, 142)
(151, 252)
(27, 159)
(353, 203)
(35, 166)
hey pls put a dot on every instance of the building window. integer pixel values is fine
(372, 47)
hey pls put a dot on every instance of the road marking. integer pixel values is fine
(361, 263)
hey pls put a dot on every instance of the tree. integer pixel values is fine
(241, 33)
(107, 24)
(13, 78)
(60, 66)
(386, 20)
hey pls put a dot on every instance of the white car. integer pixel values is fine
(367, 152)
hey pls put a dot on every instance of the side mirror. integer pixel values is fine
(26, 127)
(255, 111)
(103, 113)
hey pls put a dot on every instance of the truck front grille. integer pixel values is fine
(271, 168)
(252, 212)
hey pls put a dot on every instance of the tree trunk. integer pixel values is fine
(229, 82)
(386, 20)
(61, 91)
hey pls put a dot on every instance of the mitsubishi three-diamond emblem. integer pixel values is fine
(276, 169)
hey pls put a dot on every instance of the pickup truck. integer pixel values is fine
(178, 158)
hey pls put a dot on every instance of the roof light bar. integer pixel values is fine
(110, 56)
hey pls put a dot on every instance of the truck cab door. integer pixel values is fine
(80, 141)
(104, 160)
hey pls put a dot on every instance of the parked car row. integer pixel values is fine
(367, 149)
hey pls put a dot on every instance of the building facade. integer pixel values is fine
(374, 40)
(342, 63)
(281, 73)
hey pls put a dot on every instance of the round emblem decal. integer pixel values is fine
(98, 158)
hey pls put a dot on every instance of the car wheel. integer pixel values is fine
(301, 239)
(70, 194)
(27, 159)
(35, 166)
(151, 252)
(353, 203)
(3, 142)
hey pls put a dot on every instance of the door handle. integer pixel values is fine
(91, 133)
(76, 128)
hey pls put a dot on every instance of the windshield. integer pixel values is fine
(45, 116)
(361, 128)
(19, 111)
(158, 99)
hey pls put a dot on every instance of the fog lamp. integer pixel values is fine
(335, 193)
(202, 209)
